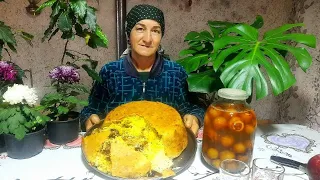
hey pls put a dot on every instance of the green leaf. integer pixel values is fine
(305, 39)
(21, 73)
(64, 22)
(91, 19)
(187, 52)
(207, 35)
(253, 55)
(92, 73)
(76, 87)
(96, 41)
(280, 30)
(20, 132)
(192, 63)
(48, 3)
(258, 23)
(11, 46)
(6, 34)
(217, 27)
(4, 127)
(79, 7)
(83, 103)
(55, 9)
(71, 99)
(192, 36)
(51, 99)
(53, 33)
(68, 35)
(27, 37)
(102, 37)
(52, 24)
(6, 113)
(15, 121)
(62, 110)
(79, 30)
(204, 82)
(247, 32)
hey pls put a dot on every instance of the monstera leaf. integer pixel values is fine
(253, 55)
(233, 56)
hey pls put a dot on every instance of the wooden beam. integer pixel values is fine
(121, 12)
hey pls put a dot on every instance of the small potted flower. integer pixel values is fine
(22, 125)
(60, 105)
(8, 76)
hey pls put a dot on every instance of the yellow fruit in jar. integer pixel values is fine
(220, 123)
(213, 112)
(246, 117)
(235, 124)
(227, 140)
(226, 155)
(239, 148)
(243, 158)
(213, 153)
(249, 129)
(248, 144)
(213, 135)
(216, 163)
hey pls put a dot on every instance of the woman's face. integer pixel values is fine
(145, 37)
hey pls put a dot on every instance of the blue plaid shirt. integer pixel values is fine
(121, 84)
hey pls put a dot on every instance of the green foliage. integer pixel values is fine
(85, 62)
(233, 56)
(7, 38)
(71, 18)
(20, 119)
(63, 101)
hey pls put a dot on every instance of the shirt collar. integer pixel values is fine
(132, 71)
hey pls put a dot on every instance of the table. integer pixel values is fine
(66, 162)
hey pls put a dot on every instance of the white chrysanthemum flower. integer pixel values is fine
(20, 94)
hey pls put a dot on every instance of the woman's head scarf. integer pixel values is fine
(141, 12)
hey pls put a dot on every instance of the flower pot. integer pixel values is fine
(2, 144)
(31, 145)
(63, 131)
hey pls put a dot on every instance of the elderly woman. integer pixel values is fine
(143, 74)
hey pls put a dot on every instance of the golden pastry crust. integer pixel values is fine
(163, 118)
(135, 139)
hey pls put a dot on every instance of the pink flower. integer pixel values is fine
(65, 74)
(7, 72)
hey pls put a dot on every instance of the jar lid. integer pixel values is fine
(234, 94)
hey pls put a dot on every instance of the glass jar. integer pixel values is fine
(229, 128)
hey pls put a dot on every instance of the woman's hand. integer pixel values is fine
(92, 120)
(191, 122)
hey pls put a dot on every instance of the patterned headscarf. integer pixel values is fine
(141, 12)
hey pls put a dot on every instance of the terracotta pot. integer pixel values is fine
(31, 145)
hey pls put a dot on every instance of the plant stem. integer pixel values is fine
(80, 53)
(31, 78)
(10, 59)
(64, 52)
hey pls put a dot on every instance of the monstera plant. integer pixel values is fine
(233, 55)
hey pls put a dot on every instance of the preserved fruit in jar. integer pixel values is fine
(229, 127)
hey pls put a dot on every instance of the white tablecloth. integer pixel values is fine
(65, 162)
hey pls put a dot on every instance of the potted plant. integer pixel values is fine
(10, 73)
(71, 19)
(232, 55)
(60, 105)
(22, 125)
